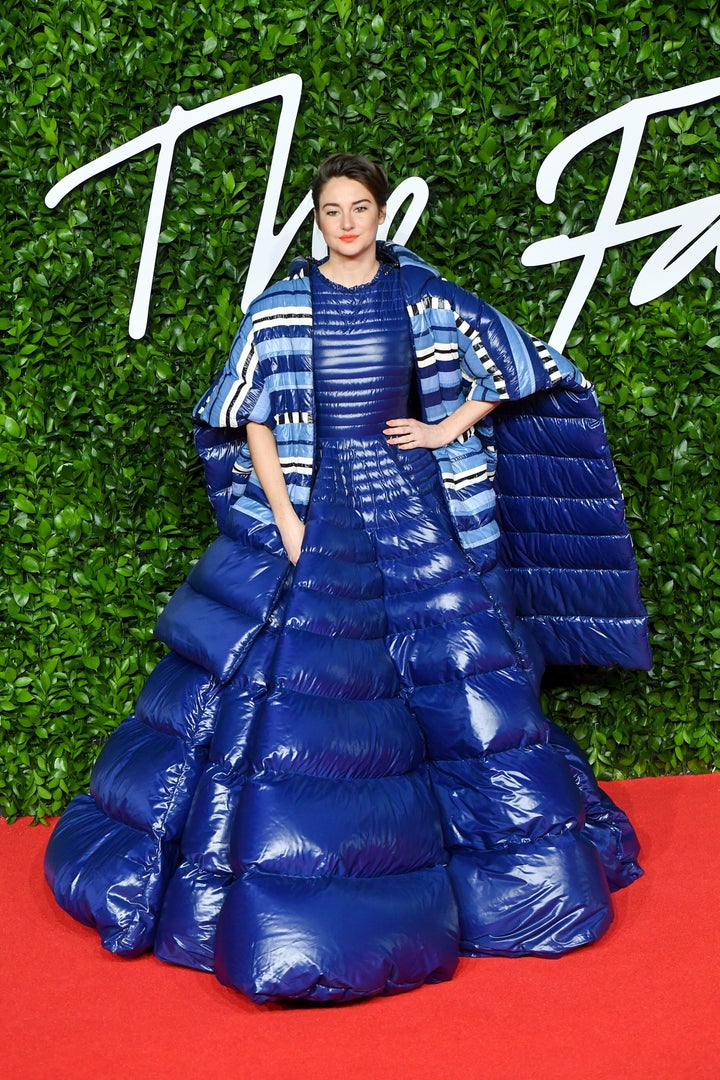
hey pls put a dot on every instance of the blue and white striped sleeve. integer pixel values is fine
(238, 394)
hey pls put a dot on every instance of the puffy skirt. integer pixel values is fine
(340, 778)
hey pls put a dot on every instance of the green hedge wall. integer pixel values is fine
(105, 507)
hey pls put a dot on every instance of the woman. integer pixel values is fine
(340, 779)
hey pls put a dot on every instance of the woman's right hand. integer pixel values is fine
(292, 531)
(266, 462)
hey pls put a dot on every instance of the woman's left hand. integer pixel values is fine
(407, 434)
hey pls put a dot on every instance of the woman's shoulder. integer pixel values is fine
(290, 292)
(424, 283)
(410, 263)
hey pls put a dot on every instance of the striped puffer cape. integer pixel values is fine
(554, 510)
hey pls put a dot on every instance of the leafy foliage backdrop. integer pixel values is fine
(105, 507)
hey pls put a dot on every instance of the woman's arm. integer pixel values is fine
(266, 462)
(408, 433)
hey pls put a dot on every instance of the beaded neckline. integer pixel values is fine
(382, 271)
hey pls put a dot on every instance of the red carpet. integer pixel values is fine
(643, 1003)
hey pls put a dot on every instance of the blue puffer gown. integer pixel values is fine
(375, 790)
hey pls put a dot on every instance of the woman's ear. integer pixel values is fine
(382, 214)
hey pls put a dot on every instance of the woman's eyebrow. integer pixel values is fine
(355, 203)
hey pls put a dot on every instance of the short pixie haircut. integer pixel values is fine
(355, 167)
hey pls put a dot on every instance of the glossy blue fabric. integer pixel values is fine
(340, 778)
(362, 355)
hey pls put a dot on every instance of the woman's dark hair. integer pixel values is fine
(355, 167)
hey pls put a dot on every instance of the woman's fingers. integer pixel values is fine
(406, 433)
(400, 429)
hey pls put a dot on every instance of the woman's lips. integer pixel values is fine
(348, 239)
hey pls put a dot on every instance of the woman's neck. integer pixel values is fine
(349, 271)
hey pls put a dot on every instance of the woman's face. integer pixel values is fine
(348, 217)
